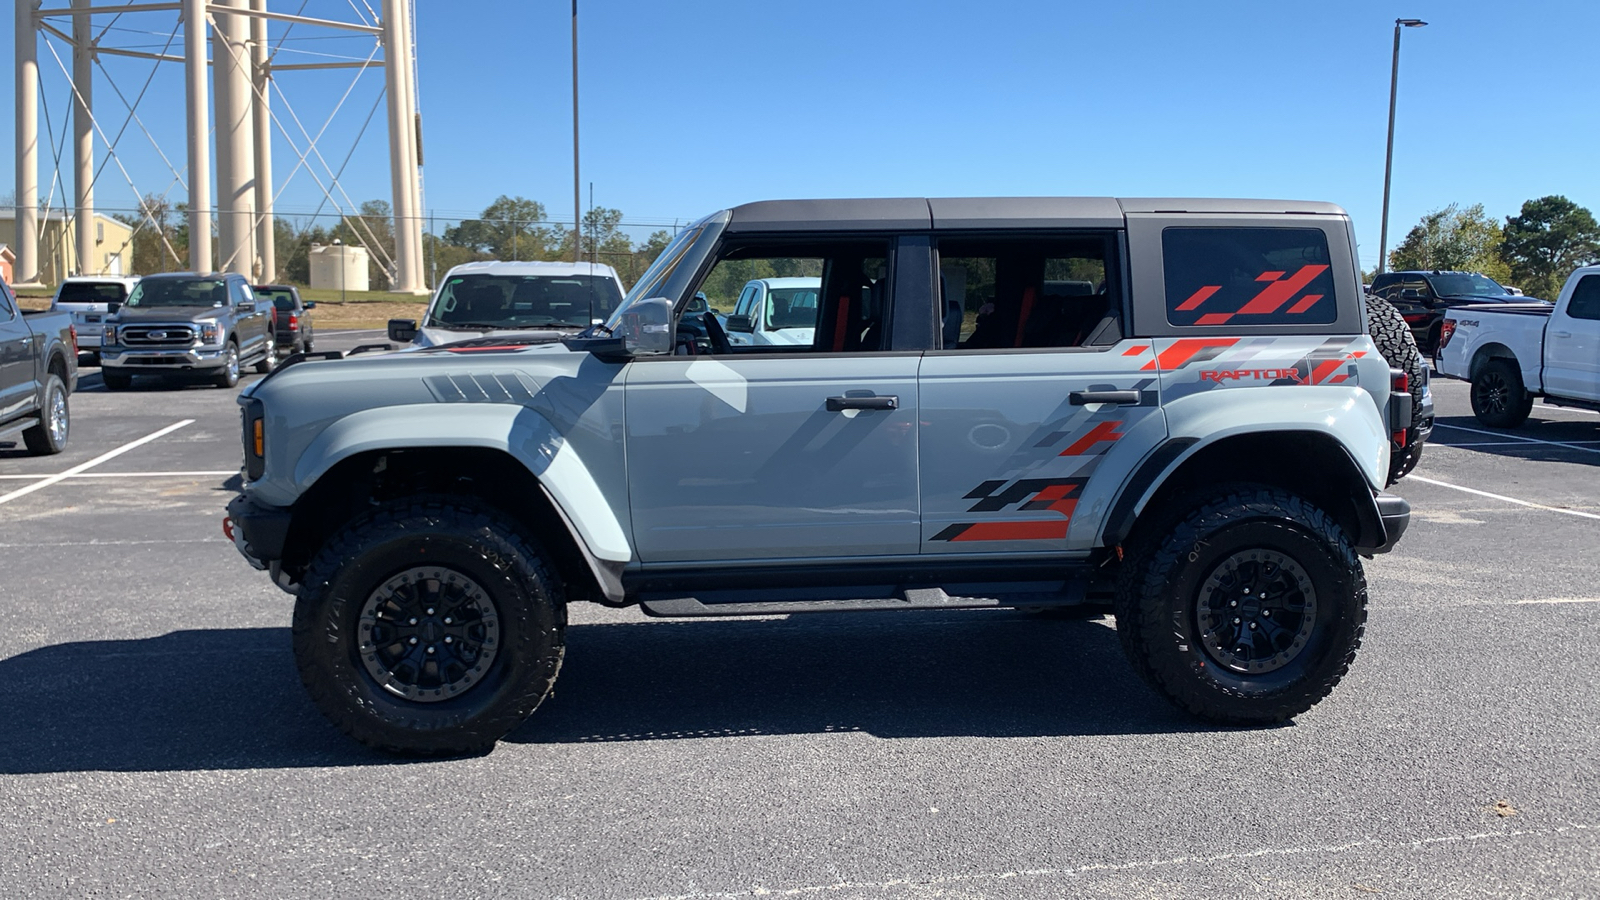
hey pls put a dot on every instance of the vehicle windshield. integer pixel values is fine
(179, 292)
(283, 300)
(792, 307)
(651, 282)
(524, 301)
(91, 292)
(1466, 284)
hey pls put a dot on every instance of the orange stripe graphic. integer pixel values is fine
(1053, 530)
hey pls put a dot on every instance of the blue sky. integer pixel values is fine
(691, 106)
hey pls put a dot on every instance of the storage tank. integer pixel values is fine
(338, 267)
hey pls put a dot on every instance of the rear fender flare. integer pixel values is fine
(518, 431)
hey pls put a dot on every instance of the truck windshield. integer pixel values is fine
(524, 301)
(1466, 284)
(176, 292)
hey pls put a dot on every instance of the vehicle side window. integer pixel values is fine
(236, 293)
(7, 301)
(822, 296)
(1023, 292)
(1385, 286)
(1248, 276)
(1585, 303)
(1422, 286)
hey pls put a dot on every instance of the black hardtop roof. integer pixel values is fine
(954, 213)
(193, 276)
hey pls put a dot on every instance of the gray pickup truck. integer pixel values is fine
(38, 371)
(182, 325)
(1195, 431)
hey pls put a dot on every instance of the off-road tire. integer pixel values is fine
(115, 382)
(1164, 580)
(228, 375)
(269, 358)
(49, 437)
(1499, 398)
(512, 570)
(1398, 346)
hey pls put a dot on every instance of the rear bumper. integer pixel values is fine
(258, 531)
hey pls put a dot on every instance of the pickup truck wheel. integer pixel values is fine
(50, 435)
(427, 627)
(228, 375)
(115, 382)
(1247, 611)
(271, 357)
(1398, 347)
(1499, 399)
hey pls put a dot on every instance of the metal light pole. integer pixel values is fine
(577, 201)
(1388, 157)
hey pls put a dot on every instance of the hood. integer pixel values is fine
(1492, 298)
(433, 337)
(127, 315)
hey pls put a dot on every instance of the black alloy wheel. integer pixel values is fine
(1499, 399)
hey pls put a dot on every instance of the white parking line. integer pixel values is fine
(1516, 437)
(1563, 600)
(129, 474)
(357, 331)
(1545, 407)
(1528, 503)
(46, 482)
(1496, 444)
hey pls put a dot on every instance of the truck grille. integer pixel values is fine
(156, 335)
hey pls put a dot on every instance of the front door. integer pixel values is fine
(797, 452)
(1033, 387)
(17, 386)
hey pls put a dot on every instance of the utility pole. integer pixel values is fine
(577, 198)
(1388, 156)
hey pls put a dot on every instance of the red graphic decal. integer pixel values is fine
(1056, 498)
(1184, 350)
(497, 348)
(1053, 530)
(1269, 276)
(1199, 297)
(1222, 375)
(1278, 293)
(1103, 431)
(1214, 319)
(1135, 351)
(1328, 367)
(841, 322)
(1309, 301)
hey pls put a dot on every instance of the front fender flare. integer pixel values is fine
(521, 432)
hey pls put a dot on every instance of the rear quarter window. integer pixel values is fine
(1248, 276)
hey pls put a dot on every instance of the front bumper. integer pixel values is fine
(177, 359)
(258, 531)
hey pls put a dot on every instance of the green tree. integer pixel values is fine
(1453, 238)
(510, 228)
(156, 246)
(1551, 237)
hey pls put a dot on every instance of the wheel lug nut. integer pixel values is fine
(1267, 613)
(430, 612)
(447, 620)
(413, 620)
(1233, 603)
(413, 640)
(1235, 621)
(1252, 628)
(449, 640)
(430, 650)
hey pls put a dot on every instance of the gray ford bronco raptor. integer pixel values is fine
(1169, 407)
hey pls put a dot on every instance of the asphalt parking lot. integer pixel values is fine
(157, 742)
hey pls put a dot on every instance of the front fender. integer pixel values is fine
(523, 433)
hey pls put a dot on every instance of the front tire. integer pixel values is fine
(269, 358)
(1499, 399)
(427, 627)
(49, 437)
(228, 375)
(1247, 611)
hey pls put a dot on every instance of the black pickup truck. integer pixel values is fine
(38, 370)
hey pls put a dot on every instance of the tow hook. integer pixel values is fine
(227, 528)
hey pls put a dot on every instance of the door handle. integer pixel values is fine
(1124, 398)
(840, 404)
(1562, 333)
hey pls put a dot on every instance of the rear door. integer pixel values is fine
(1572, 343)
(1031, 388)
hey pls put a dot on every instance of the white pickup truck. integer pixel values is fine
(1513, 353)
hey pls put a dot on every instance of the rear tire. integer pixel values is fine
(420, 574)
(1499, 399)
(270, 358)
(1247, 611)
(1398, 346)
(49, 437)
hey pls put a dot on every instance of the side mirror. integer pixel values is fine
(741, 324)
(309, 304)
(646, 328)
(402, 331)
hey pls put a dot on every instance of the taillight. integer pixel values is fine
(294, 322)
(1399, 382)
(1447, 330)
(74, 330)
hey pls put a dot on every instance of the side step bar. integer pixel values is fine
(1072, 594)
(9, 432)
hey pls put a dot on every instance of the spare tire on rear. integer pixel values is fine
(1399, 348)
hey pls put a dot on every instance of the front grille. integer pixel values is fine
(156, 361)
(156, 335)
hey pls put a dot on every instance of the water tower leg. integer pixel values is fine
(402, 150)
(27, 86)
(199, 125)
(230, 63)
(266, 241)
(83, 141)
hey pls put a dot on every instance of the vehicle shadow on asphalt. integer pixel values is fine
(993, 674)
(1514, 443)
(230, 698)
